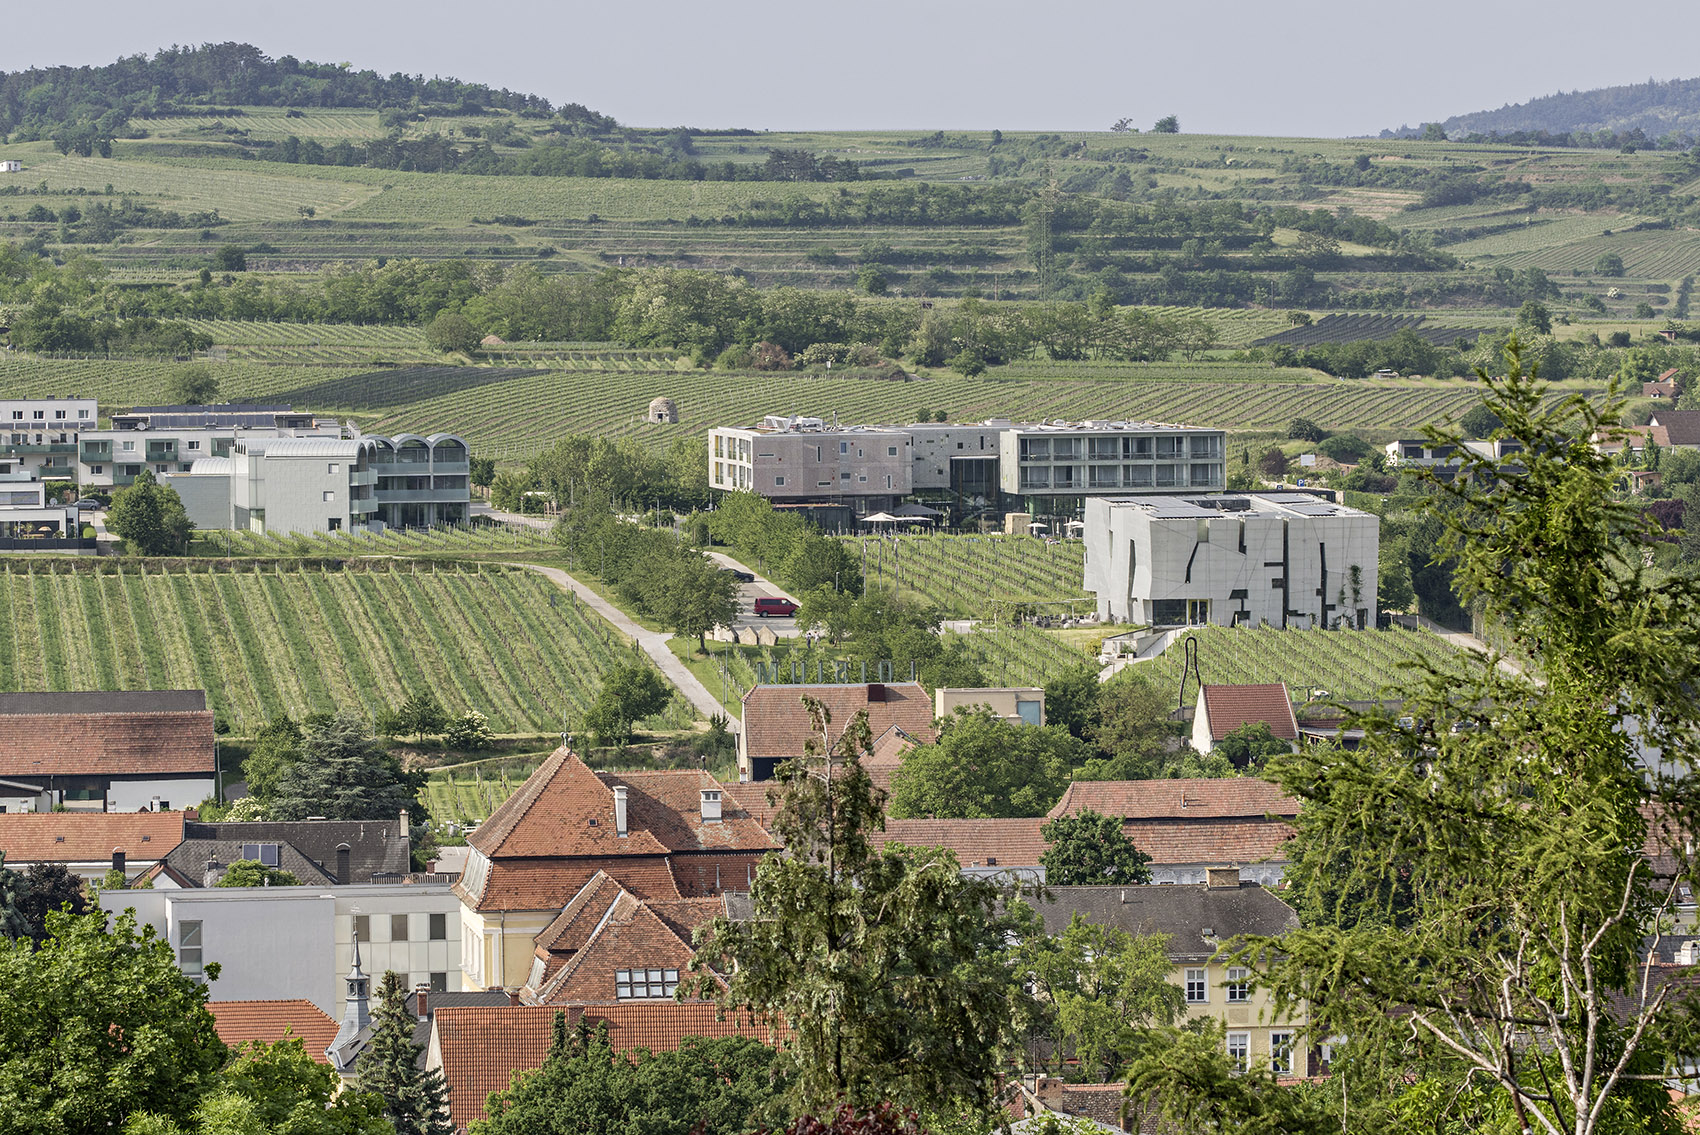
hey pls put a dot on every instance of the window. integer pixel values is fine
(82, 413)
(40, 415)
(1197, 989)
(335, 524)
(891, 451)
(194, 445)
(630, 983)
(128, 446)
(439, 928)
(398, 927)
(843, 448)
(159, 468)
(97, 470)
(439, 982)
(363, 927)
(1238, 986)
(1281, 1053)
(17, 415)
(330, 494)
(332, 469)
(267, 853)
(1239, 1050)
(779, 481)
(189, 947)
(58, 414)
(185, 467)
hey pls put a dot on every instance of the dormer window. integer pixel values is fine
(632, 984)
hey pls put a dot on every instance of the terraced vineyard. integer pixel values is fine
(467, 796)
(269, 639)
(1350, 665)
(972, 576)
(1021, 655)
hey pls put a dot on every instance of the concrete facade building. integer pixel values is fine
(170, 439)
(1261, 559)
(1015, 705)
(275, 943)
(40, 435)
(1046, 468)
(329, 484)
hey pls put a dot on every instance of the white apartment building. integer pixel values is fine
(170, 439)
(1277, 559)
(1046, 468)
(277, 943)
(28, 521)
(328, 484)
(39, 435)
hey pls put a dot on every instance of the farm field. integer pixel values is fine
(466, 796)
(269, 640)
(976, 577)
(476, 540)
(1350, 665)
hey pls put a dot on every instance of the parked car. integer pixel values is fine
(774, 605)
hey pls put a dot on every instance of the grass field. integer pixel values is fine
(269, 640)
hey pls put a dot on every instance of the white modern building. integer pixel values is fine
(328, 484)
(276, 943)
(1275, 559)
(170, 439)
(39, 435)
(1044, 468)
(30, 522)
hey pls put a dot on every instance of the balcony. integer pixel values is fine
(446, 496)
(404, 468)
(363, 477)
(31, 450)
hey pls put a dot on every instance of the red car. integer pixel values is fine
(771, 605)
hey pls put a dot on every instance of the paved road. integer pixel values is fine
(654, 644)
(748, 593)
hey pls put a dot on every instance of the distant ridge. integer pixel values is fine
(1655, 108)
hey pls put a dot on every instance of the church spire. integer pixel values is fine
(350, 1036)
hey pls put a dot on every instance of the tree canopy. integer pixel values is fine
(415, 1100)
(150, 518)
(341, 773)
(1088, 849)
(983, 767)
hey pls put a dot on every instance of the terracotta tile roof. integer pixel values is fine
(34, 745)
(1245, 797)
(1213, 842)
(631, 934)
(1660, 389)
(481, 1049)
(549, 884)
(1682, 427)
(269, 1021)
(752, 798)
(577, 921)
(1012, 843)
(88, 837)
(1666, 376)
(776, 725)
(565, 810)
(1229, 707)
(887, 756)
(668, 805)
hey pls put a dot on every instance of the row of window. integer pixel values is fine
(437, 927)
(1201, 476)
(1237, 987)
(1280, 1052)
(1119, 448)
(41, 415)
(630, 983)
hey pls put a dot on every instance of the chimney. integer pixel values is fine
(1221, 877)
(421, 993)
(342, 869)
(210, 877)
(118, 860)
(876, 692)
(404, 832)
(711, 805)
(620, 811)
(513, 998)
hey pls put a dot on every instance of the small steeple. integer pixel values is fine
(349, 1037)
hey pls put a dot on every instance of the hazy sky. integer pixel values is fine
(1310, 67)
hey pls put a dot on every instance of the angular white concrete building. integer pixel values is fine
(1239, 559)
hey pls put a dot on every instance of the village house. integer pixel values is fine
(1223, 709)
(124, 751)
(659, 835)
(91, 844)
(777, 726)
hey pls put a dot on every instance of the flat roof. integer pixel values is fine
(1206, 506)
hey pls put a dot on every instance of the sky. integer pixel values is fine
(1325, 68)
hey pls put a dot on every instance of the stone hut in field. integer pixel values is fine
(664, 411)
(492, 341)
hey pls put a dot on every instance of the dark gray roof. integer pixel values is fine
(107, 701)
(375, 847)
(1185, 912)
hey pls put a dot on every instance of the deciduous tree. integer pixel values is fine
(1087, 849)
(150, 518)
(982, 767)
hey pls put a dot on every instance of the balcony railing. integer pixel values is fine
(31, 449)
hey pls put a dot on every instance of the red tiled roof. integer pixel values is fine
(1012, 843)
(1229, 707)
(566, 810)
(1668, 375)
(549, 884)
(482, 1048)
(88, 837)
(751, 797)
(777, 726)
(269, 1021)
(1213, 842)
(631, 934)
(577, 921)
(1245, 797)
(34, 745)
